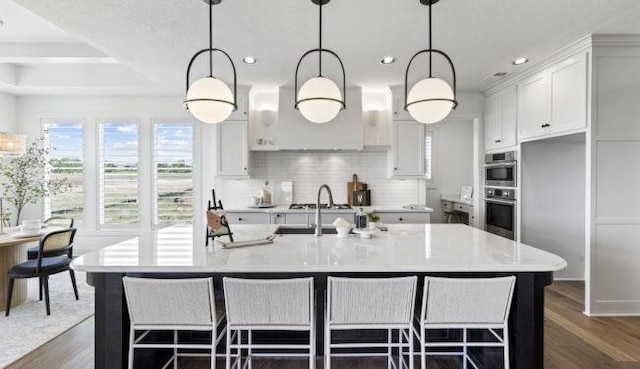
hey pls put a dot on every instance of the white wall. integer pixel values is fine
(32, 110)
(8, 113)
(552, 194)
(453, 161)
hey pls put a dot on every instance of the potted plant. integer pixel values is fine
(27, 178)
(373, 219)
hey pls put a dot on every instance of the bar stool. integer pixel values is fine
(172, 305)
(464, 304)
(268, 305)
(371, 303)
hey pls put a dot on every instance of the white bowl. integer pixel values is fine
(29, 229)
(343, 231)
(32, 223)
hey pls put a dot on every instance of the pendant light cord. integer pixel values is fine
(320, 44)
(430, 53)
(210, 38)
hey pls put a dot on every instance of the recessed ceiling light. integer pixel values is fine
(388, 60)
(520, 61)
(249, 60)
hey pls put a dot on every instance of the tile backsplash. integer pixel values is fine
(309, 169)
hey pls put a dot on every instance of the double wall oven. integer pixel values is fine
(500, 194)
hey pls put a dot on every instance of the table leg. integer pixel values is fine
(9, 257)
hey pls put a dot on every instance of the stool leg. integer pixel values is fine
(132, 338)
(9, 296)
(249, 352)
(505, 338)
(175, 349)
(389, 348)
(40, 289)
(228, 351)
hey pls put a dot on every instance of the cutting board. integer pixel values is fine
(354, 186)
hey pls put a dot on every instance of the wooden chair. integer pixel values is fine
(42, 267)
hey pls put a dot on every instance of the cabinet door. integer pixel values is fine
(242, 113)
(569, 94)
(233, 153)
(408, 149)
(299, 218)
(534, 106)
(508, 117)
(492, 122)
(398, 105)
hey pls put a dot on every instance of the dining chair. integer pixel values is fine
(384, 304)
(268, 305)
(64, 222)
(186, 304)
(465, 304)
(42, 267)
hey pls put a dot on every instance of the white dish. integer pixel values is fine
(26, 235)
(366, 232)
(262, 206)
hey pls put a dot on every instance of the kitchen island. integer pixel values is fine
(453, 250)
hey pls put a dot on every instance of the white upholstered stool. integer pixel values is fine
(172, 305)
(464, 304)
(371, 303)
(268, 305)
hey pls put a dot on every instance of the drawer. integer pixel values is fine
(247, 218)
(278, 218)
(463, 208)
(408, 218)
(298, 218)
(447, 205)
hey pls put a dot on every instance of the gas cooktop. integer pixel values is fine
(322, 206)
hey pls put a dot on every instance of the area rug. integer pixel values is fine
(28, 326)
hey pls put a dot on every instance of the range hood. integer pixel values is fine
(345, 132)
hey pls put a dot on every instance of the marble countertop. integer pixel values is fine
(367, 209)
(403, 248)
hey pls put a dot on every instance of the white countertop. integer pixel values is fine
(456, 198)
(367, 209)
(404, 248)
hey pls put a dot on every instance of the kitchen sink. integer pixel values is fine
(304, 230)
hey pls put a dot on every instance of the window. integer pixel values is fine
(428, 156)
(118, 172)
(173, 173)
(65, 142)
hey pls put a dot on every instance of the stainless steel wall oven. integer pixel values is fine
(500, 169)
(500, 212)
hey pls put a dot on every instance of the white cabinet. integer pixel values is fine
(500, 119)
(407, 151)
(232, 154)
(407, 218)
(242, 113)
(398, 104)
(344, 132)
(246, 218)
(554, 100)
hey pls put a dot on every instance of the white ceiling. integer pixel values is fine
(156, 38)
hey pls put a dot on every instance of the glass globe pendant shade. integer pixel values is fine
(210, 100)
(325, 100)
(430, 111)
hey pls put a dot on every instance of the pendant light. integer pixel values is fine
(209, 99)
(320, 99)
(431, 99)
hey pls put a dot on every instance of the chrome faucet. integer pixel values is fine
(318, 216)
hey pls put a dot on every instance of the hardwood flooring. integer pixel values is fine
(572, 341)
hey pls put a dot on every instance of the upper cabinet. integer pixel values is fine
(407, 149)
(232, 156)
(242, 113)
(500, 119)
(345, 132)
(398, 104)
(554, 100)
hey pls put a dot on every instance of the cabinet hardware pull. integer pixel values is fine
(401, 219)
(240, 219)
(498, 141)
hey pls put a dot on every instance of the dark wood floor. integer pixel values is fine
(572, 341)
